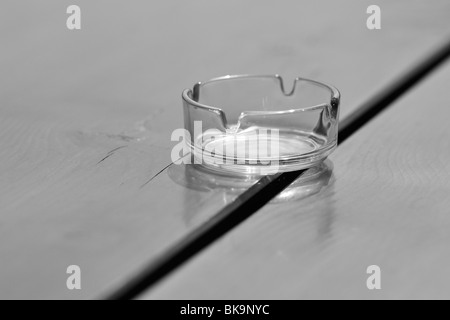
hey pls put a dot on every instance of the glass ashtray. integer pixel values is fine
(251, 125)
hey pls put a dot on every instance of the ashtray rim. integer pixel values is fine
(217, 120)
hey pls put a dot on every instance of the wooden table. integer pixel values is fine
(85, 125)
(386, 204)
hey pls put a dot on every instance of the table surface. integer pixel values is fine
(85, 126)
(386, 204)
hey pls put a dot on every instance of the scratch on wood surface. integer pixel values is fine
(110, 154)
(162, 170)
(153, 177)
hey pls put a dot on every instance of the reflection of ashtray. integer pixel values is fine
(251, 125)
(198, 178)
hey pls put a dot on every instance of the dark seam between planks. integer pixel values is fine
(372, 107)
(268, 187)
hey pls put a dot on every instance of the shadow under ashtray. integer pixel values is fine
(198, 178)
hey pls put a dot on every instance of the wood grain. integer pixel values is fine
(86, 116)
(387, 204)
